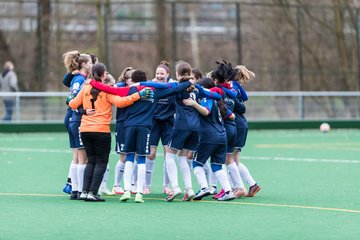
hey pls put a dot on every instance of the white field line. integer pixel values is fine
(287, 159)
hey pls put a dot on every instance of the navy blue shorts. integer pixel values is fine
(137, 140)
(161, 129)
(67, 118)
(119, 137)
(216, 152)
(183, 139)
(242, 130)
(230, 137)
(74, 135)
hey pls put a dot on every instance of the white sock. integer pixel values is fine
(235, 175)
(69, 173)
(245, 174)
(172, 169)
(212, 178)
(80, 175)
(200, 176)
(149, 172)
(185, 171)
(128, 170)
(166, 181)
(223, 180)
(140, 178)
(134, 174)
(105, 177)
(74, 177)
(119, 172)
(207, 171)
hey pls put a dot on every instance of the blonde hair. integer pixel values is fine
(244, 75)
(109, 80)
(74, 60)
(125, 74)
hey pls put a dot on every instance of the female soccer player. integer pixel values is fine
(243, 77)
(95, 129)
(82, 62)
(123, 80)
(185, 135)
(162, 125)
(222, 75)
(212, 142)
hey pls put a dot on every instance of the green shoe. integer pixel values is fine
(139, 198)
(126, 196)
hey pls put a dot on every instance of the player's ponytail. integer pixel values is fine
(97, 71)
(244, 75)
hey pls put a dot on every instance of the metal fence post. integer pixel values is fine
(17, 106)
(301, 66)
(357, 24)
(238, 33)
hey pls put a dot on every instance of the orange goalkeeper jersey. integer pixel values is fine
(100, 121)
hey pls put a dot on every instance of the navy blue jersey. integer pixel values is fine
(141, 112)
(187, 118)
(75, 87)
(212, 126)
(230, 105)
(120, 112)
(67, 79)
(165, 108)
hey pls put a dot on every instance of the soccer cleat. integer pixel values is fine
(253, 190)
(167, 190)
(94, 198)
(118, 190)
(83, 196)
(146, 190)
(126, 196)
(213, 190)
(227, 196)
(173, 195)
(105, 191)
(67, 188)
(240, 192)
(74, 195)
(204, 192)
(219, 194)
(189, 195)
(139, 198)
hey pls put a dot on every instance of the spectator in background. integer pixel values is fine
(8, 83)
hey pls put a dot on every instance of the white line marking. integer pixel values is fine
(260, 158)
(203, 201)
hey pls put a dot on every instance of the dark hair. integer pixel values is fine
(184, 71)
(97, 71)
(197, 73)
(138, 76)
(94, 58)
(224, 72)
(206, 83)
(165, 65)
(209, 83)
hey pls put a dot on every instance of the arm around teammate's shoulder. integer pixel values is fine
(121, 102)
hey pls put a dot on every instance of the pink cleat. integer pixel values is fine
(146, 190)
(220, 194)
(167, 190)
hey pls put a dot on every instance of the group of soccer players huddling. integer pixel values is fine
(197, 119)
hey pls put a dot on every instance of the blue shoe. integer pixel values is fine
(67, 189)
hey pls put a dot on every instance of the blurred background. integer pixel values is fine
(295, 47)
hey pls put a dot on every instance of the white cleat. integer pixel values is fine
(173, 195)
